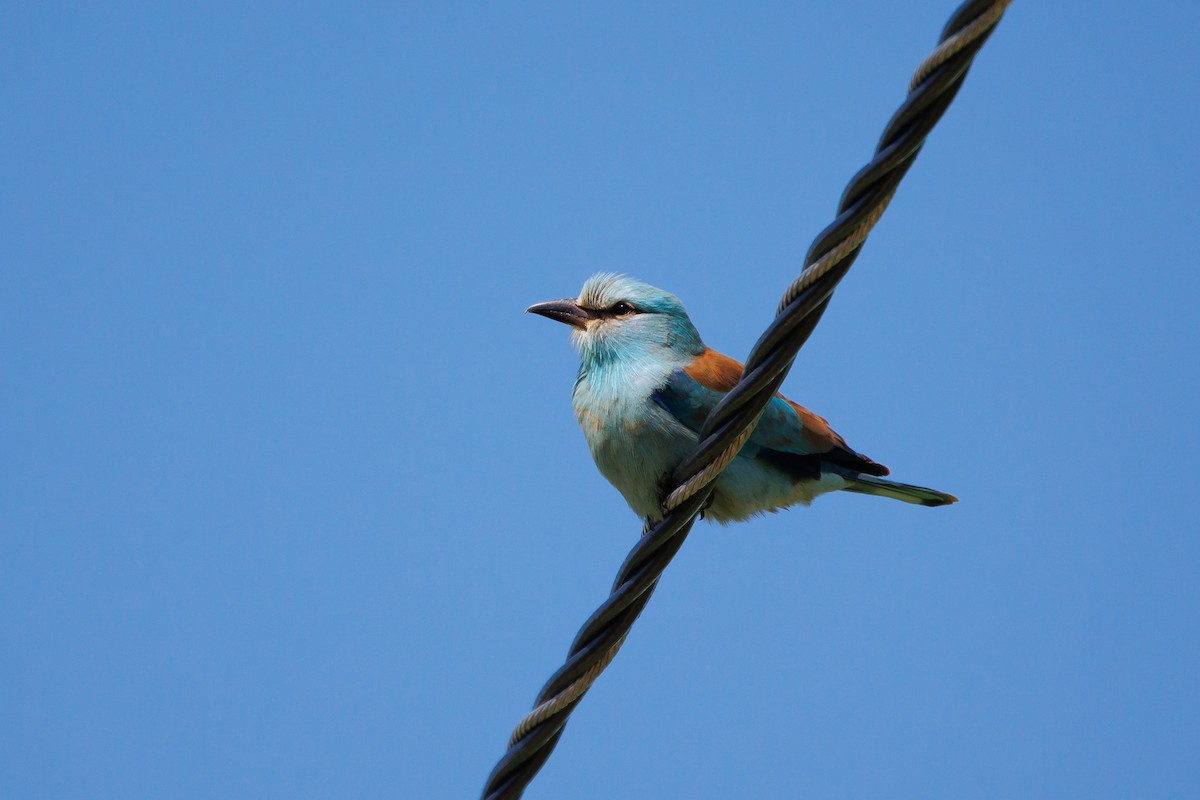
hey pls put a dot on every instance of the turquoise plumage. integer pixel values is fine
(647, 382)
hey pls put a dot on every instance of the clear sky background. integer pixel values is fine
(292, 501)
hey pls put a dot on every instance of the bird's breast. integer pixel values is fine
(632, 439)
(616, 402)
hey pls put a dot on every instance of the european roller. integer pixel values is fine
(645, 385)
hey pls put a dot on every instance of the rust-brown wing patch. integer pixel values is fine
(824, 439)
(714, 370)
(817, 431)
(720, 373)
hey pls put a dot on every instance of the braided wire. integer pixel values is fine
(934, 85)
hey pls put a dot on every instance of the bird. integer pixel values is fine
(647, 382)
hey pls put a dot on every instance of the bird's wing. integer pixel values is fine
(788, 436)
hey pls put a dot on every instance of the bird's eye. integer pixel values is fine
(622, 308)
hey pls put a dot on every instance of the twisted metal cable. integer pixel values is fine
(934, 85)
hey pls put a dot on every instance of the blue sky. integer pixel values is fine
(292, 500)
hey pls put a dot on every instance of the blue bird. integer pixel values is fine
(647, 382)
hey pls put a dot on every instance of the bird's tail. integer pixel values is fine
(882, 487)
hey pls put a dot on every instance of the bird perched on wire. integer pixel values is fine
(647, 382)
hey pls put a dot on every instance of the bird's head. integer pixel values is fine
(616, 318)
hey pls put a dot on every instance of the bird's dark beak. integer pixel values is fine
(567, 311)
